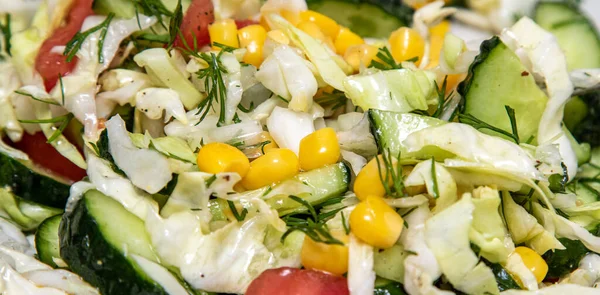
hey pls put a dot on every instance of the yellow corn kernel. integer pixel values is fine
(264, 23)
(416, 4)
(440, 29)
(314, 31)
(219, 157)
(368, 180)
(534, 262)
(376, 223)
(359, 55)
(327, 25)
(345, 39)
(329, 258)
(276, 165)
(453, 80)
(318, 149)
(260, 150)
(436, 42)
(224, 32)
(291, 16)
(406, 43)
(278, 36)
(253, 39)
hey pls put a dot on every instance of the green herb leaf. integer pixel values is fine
(388, 62)
(48, 101)
(388, 171)
(479, 124)
(175, 24)
(6, 33)
(314, 226)
(238, 216)
(561, 262)
(436, 190)
(74, 45)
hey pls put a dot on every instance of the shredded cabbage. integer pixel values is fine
(422, 174)
(289, 127)
(361, 277)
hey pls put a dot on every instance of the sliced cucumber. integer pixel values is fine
(25, 214)
(368, 18)
(389, 263)
(585, 192)
(46, 241)
(326, 182)
(576, 34)
(496, 79)
(391, 128)
(28, 182)
(99, 240)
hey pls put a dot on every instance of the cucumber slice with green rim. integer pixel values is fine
(498, 78)
(27, 215)
(576, 34)
(30, 183)
(99, 240)
(367, 18)
(46, 241)
(387, 287)
(585, 192)
(391, 128)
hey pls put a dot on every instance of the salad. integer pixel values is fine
(299, 147)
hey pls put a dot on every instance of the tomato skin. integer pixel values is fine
(294, 281)
(200, 14)
(45, 156)
(51, 65)
(244, 23)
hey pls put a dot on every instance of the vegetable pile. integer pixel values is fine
(298, 147)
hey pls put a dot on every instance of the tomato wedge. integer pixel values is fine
(240, 23)
(51, 65)
(45, 156)
(195, 23)
(293, 281)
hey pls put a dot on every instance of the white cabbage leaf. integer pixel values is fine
(286, 74)
(487, 230)
(12, 237)
(276, 6)
(147, 169)
(421, 269)
(80, 86)
(154, 101)
(402, 90)
(9, 82)
(163, 72)
(361, 276)
(516, 267)
(331, 67)
(540, 49)
(355, 135)
(447, 235)
(24, 275)
(588, 272)
(226, 260)
(585, 79)
(119, 87)
(172, 147)
(565, 228)
(42, 111)
(237, 9)
(475, 148)
(233, 83)
(288, 127)
(524, 228)
(117, 187)
(470, 178)
(356, 161)
(422, 174)
(426, 17)
(556, 289)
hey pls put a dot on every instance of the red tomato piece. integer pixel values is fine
(51, 65)
(293, 281)
(45, 156)
(244, 23)
(195, 23)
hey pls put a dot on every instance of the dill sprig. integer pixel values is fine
(314, 227)
(388, 62)
(75, 44)
(334, 100)
(390, 171)
(6, 33)
(238, 216)
(155, 8)
(479, 124)
(63, 120)
(175, 23)
(214, 85)
(442, 97)
(48, 101)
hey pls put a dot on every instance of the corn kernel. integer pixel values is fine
(359, 55)
(253, 39)
(314, 31)
(376, 223)
(329, 258)
(276, 165)
(278, 36)
(406, 43)
(224, 32)
(440, 29)
(534, 262)
(368, 181)
(345, 39)
(436, 42)
(318, 149)
(219, 157)
(291, 16)
(327, 25)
